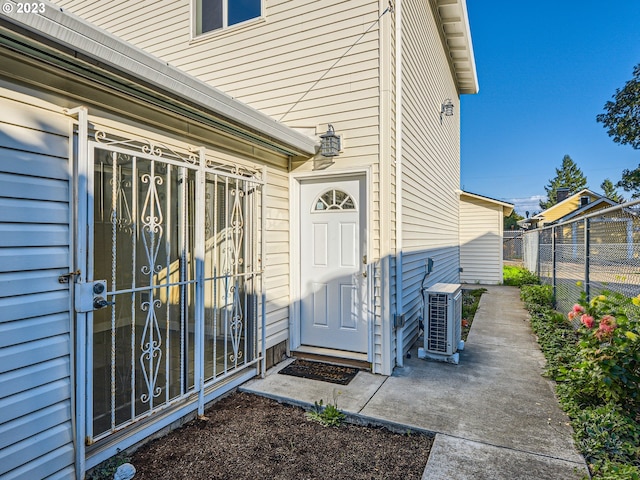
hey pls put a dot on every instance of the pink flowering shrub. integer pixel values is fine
(608, 363)
(587, 320)
(606, 328)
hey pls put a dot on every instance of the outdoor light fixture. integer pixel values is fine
(330, 143)
(446, 109)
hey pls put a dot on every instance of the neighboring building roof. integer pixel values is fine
(75, 42)
(599, 204)
(567, 209)
(546, 213)
(455, 26)
(507, 208)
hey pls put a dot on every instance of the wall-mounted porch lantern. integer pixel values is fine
(330, 143)
(446, 109)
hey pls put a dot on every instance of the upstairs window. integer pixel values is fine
(218, 14)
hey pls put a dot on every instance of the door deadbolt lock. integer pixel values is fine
(100, 302)
(91, 296)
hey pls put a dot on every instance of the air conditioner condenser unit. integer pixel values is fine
(442, 323)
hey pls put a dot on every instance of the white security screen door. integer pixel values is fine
(333, 264)
(172, 291)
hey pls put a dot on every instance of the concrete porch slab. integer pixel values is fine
(304, 392)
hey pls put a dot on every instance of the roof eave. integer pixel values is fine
(454, 21)
(507, 208)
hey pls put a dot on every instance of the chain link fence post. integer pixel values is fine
(587, 239)
(554, 254)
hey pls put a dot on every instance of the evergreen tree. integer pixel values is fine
(610, 191)
(511, 222)
(568, 176)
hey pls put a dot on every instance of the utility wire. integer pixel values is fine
(388, 9)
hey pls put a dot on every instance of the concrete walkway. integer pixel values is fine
(494, 415)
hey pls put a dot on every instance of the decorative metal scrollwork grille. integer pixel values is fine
(145, 210)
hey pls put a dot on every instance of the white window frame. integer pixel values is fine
(196, 6)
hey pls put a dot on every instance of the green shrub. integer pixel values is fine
(607, 367)
(597, 370)
(517, 276)
(616, 471)
(535, 296)
(557, 339)
(606, 433)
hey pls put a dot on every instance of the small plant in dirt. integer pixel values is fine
(518, 276)
(107, 469)
(327, 415)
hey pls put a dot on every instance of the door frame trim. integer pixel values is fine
(295, 185)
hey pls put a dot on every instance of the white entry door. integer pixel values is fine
(333, 264)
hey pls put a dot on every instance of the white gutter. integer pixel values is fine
(398, 120)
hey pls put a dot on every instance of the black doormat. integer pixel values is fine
(325, 372)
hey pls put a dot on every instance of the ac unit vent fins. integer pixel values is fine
(437, 329)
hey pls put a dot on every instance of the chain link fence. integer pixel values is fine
(512, 245)
(596, 252)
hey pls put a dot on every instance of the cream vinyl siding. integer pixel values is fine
(36, 433)
(273, 65)
(481, 225)
(277, 257)
(430, 162)
(270, 64)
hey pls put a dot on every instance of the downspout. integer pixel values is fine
(398, 317)
(263, 250)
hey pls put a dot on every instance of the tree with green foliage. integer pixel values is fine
(622, 121)
(511, 222)
(609, 190)
(631, 182)
(622, 116)
(567, 176)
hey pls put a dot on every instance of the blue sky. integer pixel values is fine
(545, 70)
